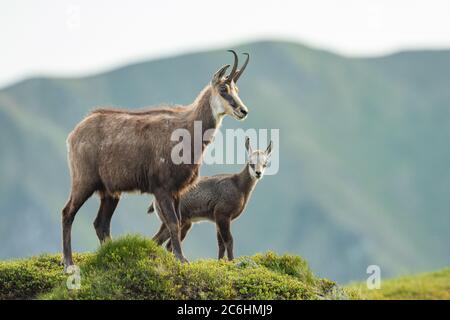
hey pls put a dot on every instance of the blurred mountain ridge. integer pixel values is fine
(363, 156)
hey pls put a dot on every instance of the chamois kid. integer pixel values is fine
(220, 199)
(113, 151)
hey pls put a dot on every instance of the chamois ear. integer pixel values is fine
(219, 74)
(248, 146)
(269, 149)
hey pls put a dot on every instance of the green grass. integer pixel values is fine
(425, 286)
(134, 267)
(27, 278)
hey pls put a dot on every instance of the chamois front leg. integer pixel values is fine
(184, 230)
(224, 226)
(220, 244)
(167, 205)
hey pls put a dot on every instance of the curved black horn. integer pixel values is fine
(241, 70)
(219, 73)
(233, 71)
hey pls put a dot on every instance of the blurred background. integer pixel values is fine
(360, 91)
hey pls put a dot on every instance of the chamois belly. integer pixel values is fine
(129, 176)
(201, 219)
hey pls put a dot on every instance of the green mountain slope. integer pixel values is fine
(425, 286)
(363, 156)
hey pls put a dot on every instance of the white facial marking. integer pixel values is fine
(217, 107)
(258, 160)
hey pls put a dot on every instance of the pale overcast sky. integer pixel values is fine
(77, 37)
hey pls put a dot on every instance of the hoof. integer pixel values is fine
(106, 239)
(181, 258)
(69, 268)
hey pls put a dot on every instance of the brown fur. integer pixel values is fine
(113, 151)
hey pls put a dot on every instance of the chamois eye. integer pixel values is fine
(264, 165)
(223, 89)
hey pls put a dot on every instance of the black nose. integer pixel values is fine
(258, 173)
(244, 112)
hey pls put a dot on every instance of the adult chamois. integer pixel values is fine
(220, 199)
(113, 151)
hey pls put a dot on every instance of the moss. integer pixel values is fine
(134, 267)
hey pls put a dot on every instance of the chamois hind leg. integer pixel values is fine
(78, 196)
(162, 235)
(167, 205)
(184, 231)
(102, 223)
(224, 226)
(177, 205)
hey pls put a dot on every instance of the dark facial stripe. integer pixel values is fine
(229, 99)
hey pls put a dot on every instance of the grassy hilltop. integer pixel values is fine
(136, 268)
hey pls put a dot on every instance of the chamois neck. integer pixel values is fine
(203, 111)
(200, 114)
(245, 180)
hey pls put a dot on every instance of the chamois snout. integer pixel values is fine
(241, 112)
